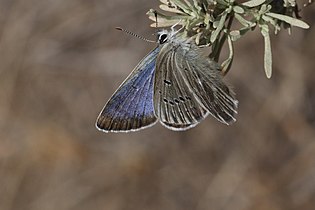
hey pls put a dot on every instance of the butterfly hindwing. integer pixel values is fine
(205, 79)
(175, 104)
(131, 106)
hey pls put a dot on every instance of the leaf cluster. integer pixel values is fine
(210, 22)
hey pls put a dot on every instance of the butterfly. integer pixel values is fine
(174, 84)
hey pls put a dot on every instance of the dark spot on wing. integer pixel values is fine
(167, 82)
(134, 87)
(188, 98)
(181, 98)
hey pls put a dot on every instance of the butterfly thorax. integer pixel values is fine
(174, 39)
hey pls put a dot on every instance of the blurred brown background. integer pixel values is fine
(60, 61)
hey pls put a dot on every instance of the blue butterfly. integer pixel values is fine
(174, 84)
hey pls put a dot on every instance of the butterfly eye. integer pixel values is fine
(163, 38)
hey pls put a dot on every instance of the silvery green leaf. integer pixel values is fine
(273, 22)
(268, 54)
(222, 2)
(237, 34)
(196, 3)
(192, 7)
(198, 6)
(269, 20)
(171, 9)
(207, 20)
(290, 20)
(216, 23)
(206, 3)
(165, 21)
(253, 3)
(219, 28)
(243, 21)
(177, 4)
(192, 23)
(238, 9)
(264, 8)
(229, 9)
(180, 4)
(186, 2)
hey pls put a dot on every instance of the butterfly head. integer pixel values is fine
(166, 36)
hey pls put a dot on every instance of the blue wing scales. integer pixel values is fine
(131, 106)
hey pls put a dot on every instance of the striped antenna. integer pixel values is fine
(135, 35)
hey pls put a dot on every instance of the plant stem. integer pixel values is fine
(217, 48)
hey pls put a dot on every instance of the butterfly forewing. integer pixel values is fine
(131, 106)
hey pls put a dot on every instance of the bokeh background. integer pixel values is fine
(60, 61)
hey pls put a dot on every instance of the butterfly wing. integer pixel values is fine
(204, 77)
(175, 103)
(131, 106)
(190, 87)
